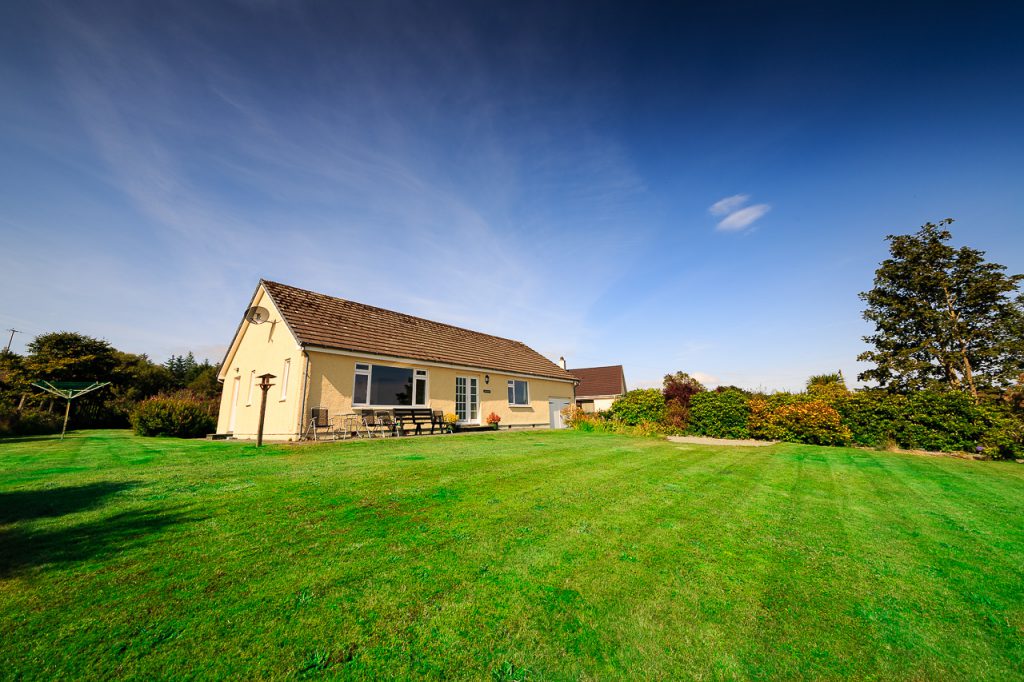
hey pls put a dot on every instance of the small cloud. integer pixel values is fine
(743, 218)
(728, 204)
(706, 379)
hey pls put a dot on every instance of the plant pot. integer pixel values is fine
(495, 426)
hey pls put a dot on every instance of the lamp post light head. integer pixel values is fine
(265, 381)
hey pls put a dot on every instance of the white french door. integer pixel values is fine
(467, 400)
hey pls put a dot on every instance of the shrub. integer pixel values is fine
(946, 421)
(677, 415)
(720, 414)
(181, 415)
(678, 389)
(1004, 439)
(930, 420)
(639, 406)
(873, 416)
(493, 419)
(797, 421)
(29, 422)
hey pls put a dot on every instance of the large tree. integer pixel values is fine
(943, 316)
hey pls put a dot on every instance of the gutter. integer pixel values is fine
(305, 392)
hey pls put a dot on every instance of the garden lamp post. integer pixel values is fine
(264, 386)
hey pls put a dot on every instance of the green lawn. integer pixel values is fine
(545, 555)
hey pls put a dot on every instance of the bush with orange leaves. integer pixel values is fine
(797, 421)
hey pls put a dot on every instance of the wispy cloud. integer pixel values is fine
(376, 191)
(728, 204)
(737, 218)
(743, 218)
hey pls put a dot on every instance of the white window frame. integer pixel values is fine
(512, 385)
(366, 369)
(252, 384)
(417, 375)
(284, 378)
(474, 383)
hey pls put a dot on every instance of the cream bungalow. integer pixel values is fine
(344, 356)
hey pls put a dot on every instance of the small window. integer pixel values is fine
(360, 391)
(518, 392)
(284, 379)
(252, 383)
(420, 394)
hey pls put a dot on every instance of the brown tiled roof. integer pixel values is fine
(328, 322)
(599, 381)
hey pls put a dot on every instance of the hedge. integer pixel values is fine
(720, 414)
(181, 416)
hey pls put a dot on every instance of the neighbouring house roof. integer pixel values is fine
(322, 321)
(599, 382)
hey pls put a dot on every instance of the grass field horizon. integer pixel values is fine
(506, 556)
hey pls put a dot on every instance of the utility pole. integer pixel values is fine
(10, 340)
(264, 386)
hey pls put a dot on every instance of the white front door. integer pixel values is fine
(555, 407)
(234, 403)
(467, 400)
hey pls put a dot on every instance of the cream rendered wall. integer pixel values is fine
(264, 348)
(590, 405)
(332, 376)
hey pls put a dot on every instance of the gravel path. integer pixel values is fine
(701, 440)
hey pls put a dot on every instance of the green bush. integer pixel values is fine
(873, 417)
(29, 422)
(182, 416)
(720, 414)
(639, 406)
(948, 421)
(1004, 439)
(942, 421)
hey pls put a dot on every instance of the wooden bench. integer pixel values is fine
(415, 416)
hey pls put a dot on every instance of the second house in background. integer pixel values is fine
(599, 387)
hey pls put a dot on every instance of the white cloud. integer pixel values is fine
(728, 204)
(743, 218)
(706, 379)
(218, 161)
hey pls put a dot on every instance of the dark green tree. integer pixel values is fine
(205, 384)
(69, 356)
(943, 316)
(186, 369)
(133, 379)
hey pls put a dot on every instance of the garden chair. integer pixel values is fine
(345, 426)
(437, 419)
(318, 419)
(385, 423)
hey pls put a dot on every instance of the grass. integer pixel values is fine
(511, 556)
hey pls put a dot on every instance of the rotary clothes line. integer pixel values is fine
(69, 390)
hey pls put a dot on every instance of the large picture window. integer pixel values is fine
(518, 393)
(384, 386)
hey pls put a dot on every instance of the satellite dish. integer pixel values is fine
(257, 315)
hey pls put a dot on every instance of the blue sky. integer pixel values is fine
(539, 172)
